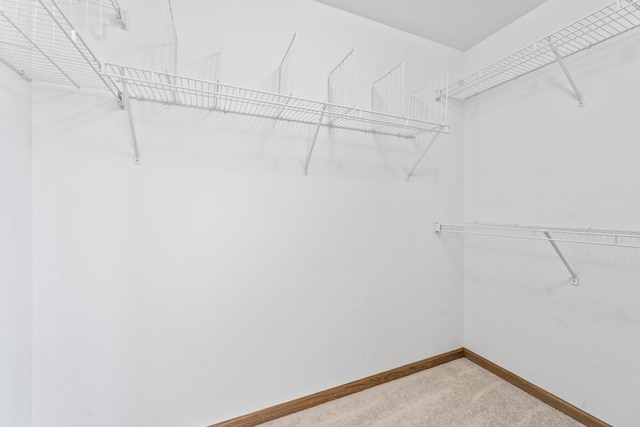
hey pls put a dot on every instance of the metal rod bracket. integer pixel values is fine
(574, 277)
(127, 106)
(572, 82)
(122, 18)
(313, 143)
(424, 153)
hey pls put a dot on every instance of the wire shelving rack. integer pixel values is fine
(39, 42)
(553, 235)
(167, 88)
(613, 20)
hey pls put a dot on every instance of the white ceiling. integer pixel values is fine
(457, 23)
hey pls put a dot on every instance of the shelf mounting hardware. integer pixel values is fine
(125, 102)
(122, 18)
(313, 143)
(574, 277)
(422, 156)
(566, 72)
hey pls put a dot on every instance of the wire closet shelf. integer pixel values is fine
(588, 236)
(553, 235)
(147, 85)
(613, 20)
(38, 42)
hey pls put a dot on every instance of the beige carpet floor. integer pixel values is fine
(456, 394)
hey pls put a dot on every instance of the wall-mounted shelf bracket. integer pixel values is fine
(422, 156)
(313, 143)
(176, 90)
(572, 82)
(124, 101)
(574, 277)
(122, 18)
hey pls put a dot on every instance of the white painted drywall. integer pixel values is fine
(216, 279)
(532, 157)
(15, 250)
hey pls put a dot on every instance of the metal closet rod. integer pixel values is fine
(477, 229)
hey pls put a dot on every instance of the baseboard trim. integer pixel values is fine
(310, 401)
(297, 405)
(537, 392)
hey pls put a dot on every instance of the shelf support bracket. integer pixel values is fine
(422, 156)
(313, 143)
(572, 82)
(122, 18)
(126, 104)
(574, 277)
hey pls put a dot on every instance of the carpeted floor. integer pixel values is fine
(456, 394)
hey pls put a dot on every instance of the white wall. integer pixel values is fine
(15, 250)
(532, 157)
(216, 279)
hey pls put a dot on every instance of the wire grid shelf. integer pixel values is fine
(615, 19)
(617, 238)
(167, 88)
(38, 42)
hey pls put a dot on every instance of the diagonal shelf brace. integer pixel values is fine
(313, 143)
(126, 104)
(574, 277)
(424, 153)
(566, 72)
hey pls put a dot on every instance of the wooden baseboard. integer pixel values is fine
(316, 399)
(543, 395)
(310, 401)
